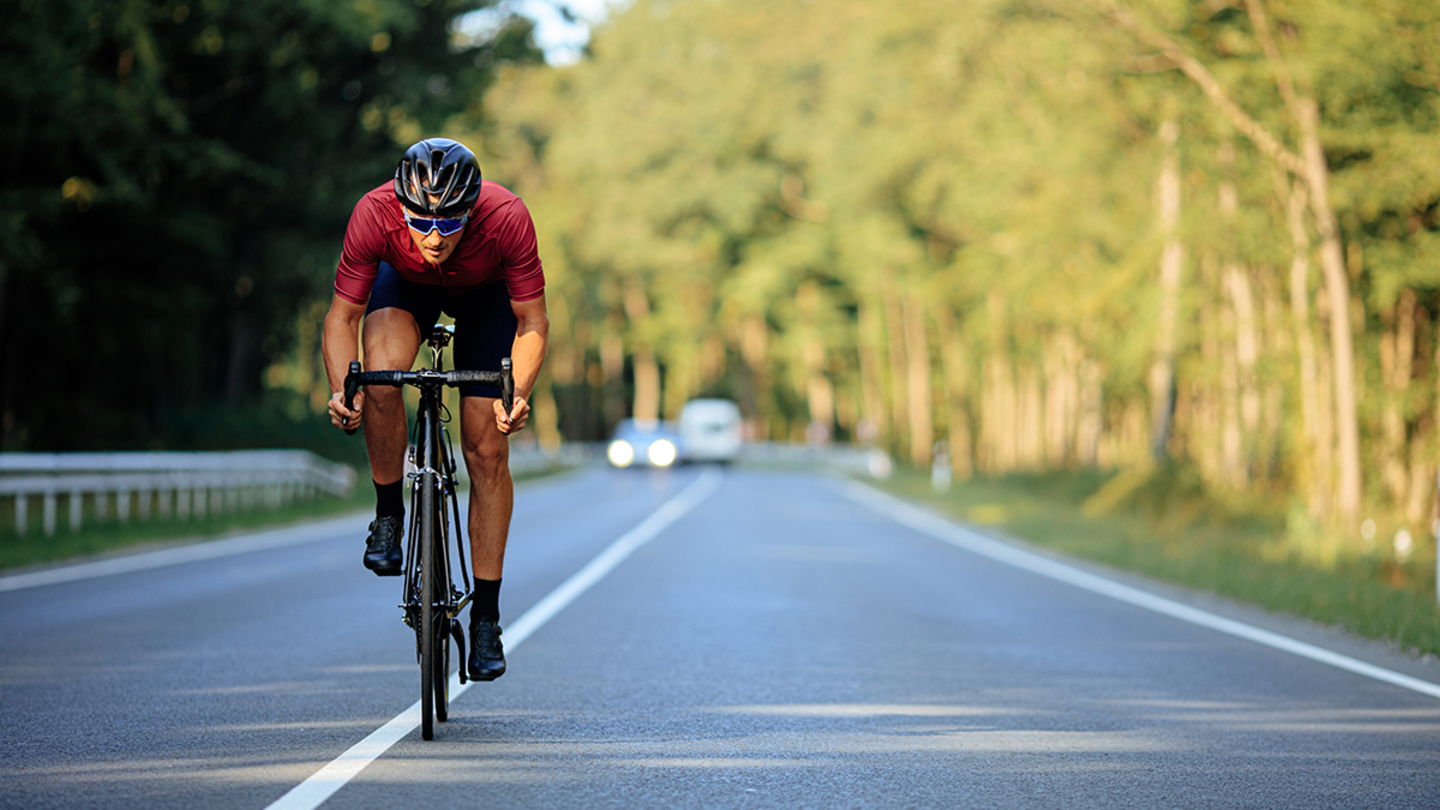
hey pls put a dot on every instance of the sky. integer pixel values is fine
(562, 40)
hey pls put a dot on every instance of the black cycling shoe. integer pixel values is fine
(382, 547)
(487, 654)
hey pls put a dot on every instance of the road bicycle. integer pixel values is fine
(434, 546)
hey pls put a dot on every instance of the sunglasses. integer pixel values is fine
(446, 227)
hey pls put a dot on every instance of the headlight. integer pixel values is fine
(661, 453)
(620, 453)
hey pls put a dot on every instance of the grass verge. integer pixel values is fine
(101, 535)
(1162, 525)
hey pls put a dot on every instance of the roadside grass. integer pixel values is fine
(103, 534)
(1161, 523)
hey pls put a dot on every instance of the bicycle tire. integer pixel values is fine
(428, 486)
(441, 674)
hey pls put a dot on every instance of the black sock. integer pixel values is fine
(389, 500)
(487, 600)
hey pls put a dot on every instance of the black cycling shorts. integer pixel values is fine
(484, 322)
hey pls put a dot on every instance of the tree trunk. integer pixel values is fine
(874, 420)
(1312, 169)
(1212, 403)
(647, 386)
(1032, 417)
(612, 373)
(956, 410)
(1091, 428)
(917, 389)
(646, 407)
(1337, 286)
(682, 374)
(1397, 351)
(1276, 338)
(1315, 450)
(819, 392)
(1062, 393)
(997, 413)
(1424, 447)
(1232, 450)
(1172, 258)
(1247, 356)
(895, 343)
(1425, 492)
(754, 350)
(1236, 279)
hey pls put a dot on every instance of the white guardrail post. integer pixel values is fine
(179, 484)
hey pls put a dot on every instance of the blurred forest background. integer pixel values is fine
(177, 179)
(1193, 236)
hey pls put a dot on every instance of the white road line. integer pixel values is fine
(942, 529)
(323, 783)
(207, 550)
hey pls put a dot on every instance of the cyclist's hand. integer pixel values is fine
(514, 422)
(342, 417)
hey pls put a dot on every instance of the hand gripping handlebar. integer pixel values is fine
(505, 378)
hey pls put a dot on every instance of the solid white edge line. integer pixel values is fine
(325, 782)
(942, 529)
(200, 550)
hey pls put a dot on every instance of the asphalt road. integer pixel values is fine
(778, 645)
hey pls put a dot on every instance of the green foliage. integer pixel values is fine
(792, 184)
(768, 197)
(177, 179)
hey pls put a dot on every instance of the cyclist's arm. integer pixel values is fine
(527, 354)
(341, 344)
(532, 336)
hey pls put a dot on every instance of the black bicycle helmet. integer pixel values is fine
(442, 168)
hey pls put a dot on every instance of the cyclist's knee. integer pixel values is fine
(488, 456)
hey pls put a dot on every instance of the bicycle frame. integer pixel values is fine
(431, 454)
(430, 602)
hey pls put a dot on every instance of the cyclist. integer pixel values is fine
(439, 238)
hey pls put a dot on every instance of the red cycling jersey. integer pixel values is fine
(498, 242)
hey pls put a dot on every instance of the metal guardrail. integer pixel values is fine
(186, 485)
(180, 484)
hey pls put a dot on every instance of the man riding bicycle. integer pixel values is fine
(438, 238)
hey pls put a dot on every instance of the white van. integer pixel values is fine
(710, 430)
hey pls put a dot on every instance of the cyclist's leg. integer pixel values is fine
(393, 319)
(492, 492)
(484, 333)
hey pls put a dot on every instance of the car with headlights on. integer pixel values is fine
(643, 443)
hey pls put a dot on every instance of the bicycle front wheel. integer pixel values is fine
(428, 619)
(440, 673)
